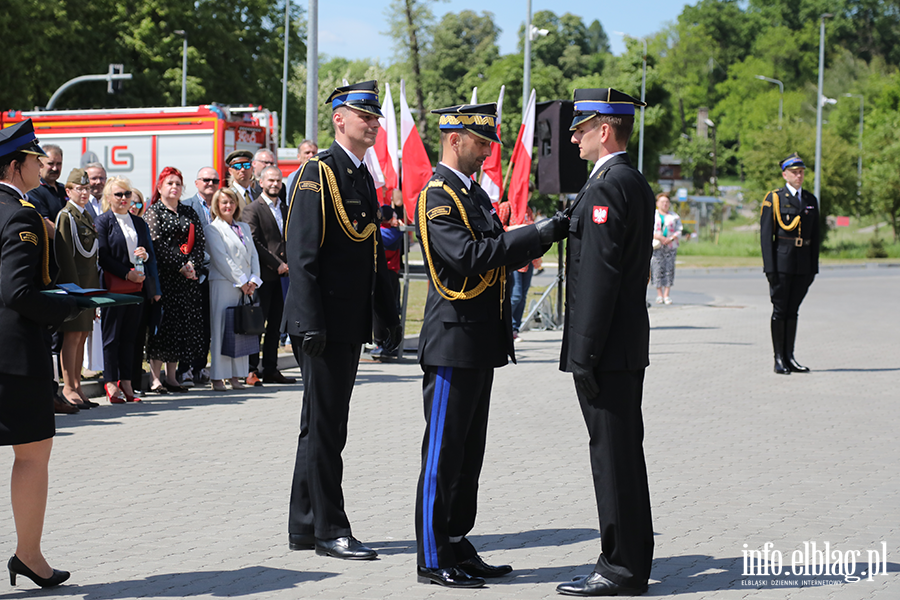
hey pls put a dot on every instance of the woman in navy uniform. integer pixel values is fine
(789, 236)
(338, 276)
(467, 332)
(607, 337)
(26, 370)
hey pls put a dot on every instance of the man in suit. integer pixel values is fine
(207, 183)
(467, 332)
(49, 197)
(97, 175)
(789, 236)
(262, 159)
(240, 168)
(266, 216)
(607, 336)
(193, 372)
(338, 277)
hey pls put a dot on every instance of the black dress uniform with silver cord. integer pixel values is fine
(789, 236)
(27, 266)
(467, 332)
(606, 340)
(338, 276)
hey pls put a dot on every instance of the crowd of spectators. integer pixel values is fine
(189, 258)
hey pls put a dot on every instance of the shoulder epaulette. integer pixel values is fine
(26, 203)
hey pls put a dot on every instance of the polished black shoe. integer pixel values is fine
(448, 577)
(277, 377)
(778, 327)
(790, 336)
(90, 404)
(301, 541)
(17, 567)
(478, 568)
(348, 547)
(596, 584)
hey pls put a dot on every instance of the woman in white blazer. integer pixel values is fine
(234, 270)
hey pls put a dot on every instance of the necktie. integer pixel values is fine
(247, 196)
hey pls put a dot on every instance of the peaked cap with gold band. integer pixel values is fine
(602, 101)
(361, 96)
(20, 138)
(792, 162)
(480, 119)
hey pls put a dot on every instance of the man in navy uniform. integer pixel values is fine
(789, 236)
(467, 332)
(607, 336)
(338, 276)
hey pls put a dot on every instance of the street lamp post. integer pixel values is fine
(183, 34)
(781, 91)
(312, 72)
(526, 90)
(862, 104)
(715, 178)
(640, 165)
(819, 102)
(284, 78)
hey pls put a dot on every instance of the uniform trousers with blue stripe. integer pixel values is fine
(456, 414)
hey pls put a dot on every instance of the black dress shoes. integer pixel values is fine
(596, 584)
(478, 568)
(277, 377)
(301, 541)
(348, 547)
(448, 577)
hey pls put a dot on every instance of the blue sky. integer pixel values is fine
(355, 28)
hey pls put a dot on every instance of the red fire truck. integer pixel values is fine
(138, 142)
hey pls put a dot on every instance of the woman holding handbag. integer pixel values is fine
(76, 254)
(125, 262)
(234, 271)
(179, 244)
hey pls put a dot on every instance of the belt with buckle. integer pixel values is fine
(796, 241)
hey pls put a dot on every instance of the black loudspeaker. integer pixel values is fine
(560, 169)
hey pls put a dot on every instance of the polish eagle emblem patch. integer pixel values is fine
(600, 213)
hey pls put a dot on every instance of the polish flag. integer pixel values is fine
(416, 165)
(386, 147)
(521, 159)
(492, 169)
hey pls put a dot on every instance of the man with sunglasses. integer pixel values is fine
(207, 183)
(240, 169)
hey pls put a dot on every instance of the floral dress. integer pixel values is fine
(180, 332)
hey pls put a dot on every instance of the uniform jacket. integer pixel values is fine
(336, 279)
(780, 249)
(269, 240)
(25, 313)
(608, 263)
(74, 267)
(231, 259)
(471, 333)
(113, 254)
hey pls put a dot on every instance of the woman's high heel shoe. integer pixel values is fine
(117, 398)
(131, 398)
(17, 567)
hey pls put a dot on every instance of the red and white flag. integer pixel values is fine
(521, 159)
(492, 169)
(386, 148)
(416, 168)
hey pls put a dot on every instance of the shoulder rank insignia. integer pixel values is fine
(438, 211)
(28, 236)
(26, 203)
(310, 185)
(766, 203)
(435, 184)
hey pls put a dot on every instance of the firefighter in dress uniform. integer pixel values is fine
(789, 236)
(338, 277)
(466, 333)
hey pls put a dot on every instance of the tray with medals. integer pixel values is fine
(94, 297)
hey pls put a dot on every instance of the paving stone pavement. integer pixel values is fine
(186, 495)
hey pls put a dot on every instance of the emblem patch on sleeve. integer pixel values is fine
(600, 213)
(310, 185)
(28, 236)
(438, 211)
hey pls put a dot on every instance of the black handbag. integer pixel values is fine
(249, 318)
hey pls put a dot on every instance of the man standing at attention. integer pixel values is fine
(607, 336)
(467, 332)
(789, 235)
(338, 276)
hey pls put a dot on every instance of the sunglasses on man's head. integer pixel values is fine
(241, 165)
(209, 180)
(120, 195)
